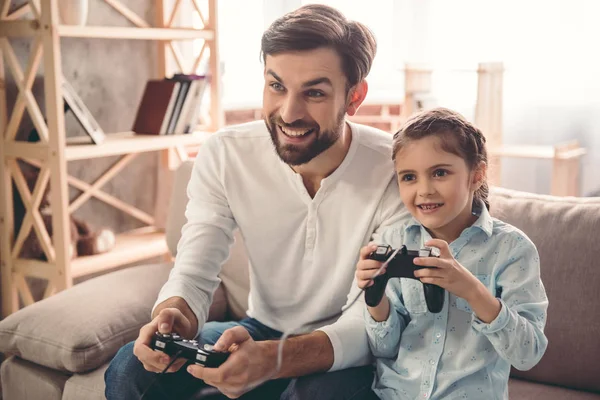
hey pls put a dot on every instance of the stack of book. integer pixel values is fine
(171, 105)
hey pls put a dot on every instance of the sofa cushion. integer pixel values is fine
(177, 205)
(565, 231)
(26, 380)
(519, 389)
(88, 386)
(235, 276)
(81, 328)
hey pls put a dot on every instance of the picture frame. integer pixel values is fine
(82, 113)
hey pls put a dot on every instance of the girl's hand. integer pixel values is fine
(365, 272)
(366, 268)
(448, 273)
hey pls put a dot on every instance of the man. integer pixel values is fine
(304, 211)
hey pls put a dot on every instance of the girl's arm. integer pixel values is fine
(517, 332)
(384, 336)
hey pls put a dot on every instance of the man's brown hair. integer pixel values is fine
(315, 25)
(458, 136)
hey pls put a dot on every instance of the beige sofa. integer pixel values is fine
(59, 348)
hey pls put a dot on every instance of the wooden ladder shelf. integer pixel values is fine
(54, 150)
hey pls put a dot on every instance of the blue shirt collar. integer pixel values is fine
(485, 221)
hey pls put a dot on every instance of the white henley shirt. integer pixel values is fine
(302, 251)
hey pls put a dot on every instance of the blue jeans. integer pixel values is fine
(126, 377)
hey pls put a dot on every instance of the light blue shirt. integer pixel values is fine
(453, 354)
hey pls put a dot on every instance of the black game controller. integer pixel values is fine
(402, 266)
(172, 343)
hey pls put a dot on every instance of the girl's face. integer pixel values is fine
(436, 187)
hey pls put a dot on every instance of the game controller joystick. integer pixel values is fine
(172, 343)
(402, 266)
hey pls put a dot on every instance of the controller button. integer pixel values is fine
(424, 252)
(381, 250)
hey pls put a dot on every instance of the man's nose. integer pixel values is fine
(292, 110)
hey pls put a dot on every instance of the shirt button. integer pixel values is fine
(431, 362)
(438, 335)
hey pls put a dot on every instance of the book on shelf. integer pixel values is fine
(170, 106)
(154, 110)
(190, 111)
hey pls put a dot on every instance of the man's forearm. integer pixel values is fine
(302, 355)
(180, 304)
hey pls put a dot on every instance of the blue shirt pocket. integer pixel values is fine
(413, 295)
(462, 304)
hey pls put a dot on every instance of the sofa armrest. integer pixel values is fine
(83, 327)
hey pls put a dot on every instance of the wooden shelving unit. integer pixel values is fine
(52, 153)
(565, 157)
(134, 33)
(137, 245)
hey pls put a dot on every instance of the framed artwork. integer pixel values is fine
(81, 112)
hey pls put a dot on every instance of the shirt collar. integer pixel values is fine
(484, 222)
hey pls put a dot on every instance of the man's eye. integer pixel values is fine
(277, 86)
(407, 178)
(315, 93)
(438, 173)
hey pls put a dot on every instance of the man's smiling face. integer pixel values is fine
(304, 102)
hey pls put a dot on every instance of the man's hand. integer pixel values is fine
(168, 320)
(247, 367)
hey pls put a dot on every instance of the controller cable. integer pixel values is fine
(162, 372)
(289, 332)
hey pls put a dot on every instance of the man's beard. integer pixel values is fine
(298, 155)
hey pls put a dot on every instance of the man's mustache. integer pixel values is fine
(296, 124)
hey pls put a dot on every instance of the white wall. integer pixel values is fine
(549, 48)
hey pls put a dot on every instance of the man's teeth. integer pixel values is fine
(294, 132)
(430, 206)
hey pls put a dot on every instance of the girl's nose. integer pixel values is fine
(426, 189)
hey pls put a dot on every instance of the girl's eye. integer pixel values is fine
(276, 86)
(438, 173)
(407, 177)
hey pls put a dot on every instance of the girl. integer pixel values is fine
(495, 307)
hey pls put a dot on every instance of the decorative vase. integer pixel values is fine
(73, 12)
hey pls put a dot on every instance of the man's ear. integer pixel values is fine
(356, 96)
(479, 175)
